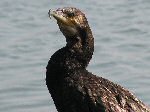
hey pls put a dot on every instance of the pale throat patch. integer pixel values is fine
(68, 30)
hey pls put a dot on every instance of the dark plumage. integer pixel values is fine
(71, 86)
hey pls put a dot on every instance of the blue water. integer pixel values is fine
(28, 38)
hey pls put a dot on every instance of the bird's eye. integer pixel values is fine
(70, 14)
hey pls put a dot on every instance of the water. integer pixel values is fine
(28, 38)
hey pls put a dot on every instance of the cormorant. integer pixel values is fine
(71, 86)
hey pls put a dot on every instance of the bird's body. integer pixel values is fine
(71, 86)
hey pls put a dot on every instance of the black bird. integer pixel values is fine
(71, 86)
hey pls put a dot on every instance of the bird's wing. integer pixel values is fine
(105, 95)
(90, 93)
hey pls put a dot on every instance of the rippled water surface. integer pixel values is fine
(28, 38)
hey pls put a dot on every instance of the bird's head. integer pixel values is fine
(70, 21)
(74, 26)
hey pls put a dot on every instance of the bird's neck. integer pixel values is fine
(73, 57)
(81, 47)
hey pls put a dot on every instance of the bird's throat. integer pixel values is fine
(81, 46)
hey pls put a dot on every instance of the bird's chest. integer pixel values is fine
(71, 94)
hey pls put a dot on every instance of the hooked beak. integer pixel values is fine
(58, 15)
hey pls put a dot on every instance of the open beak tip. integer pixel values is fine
(51, 13)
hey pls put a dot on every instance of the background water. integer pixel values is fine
(28, 38)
